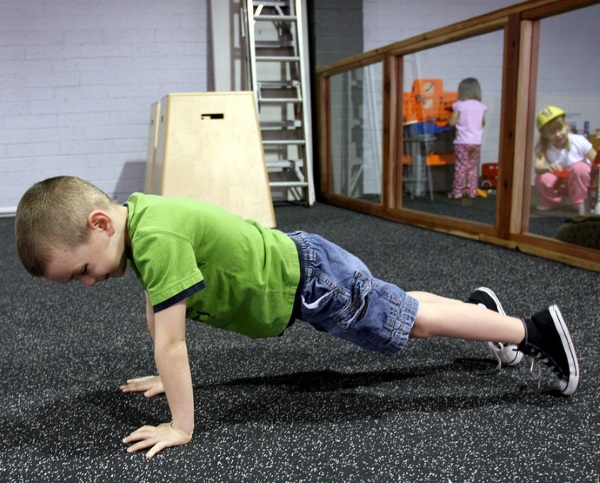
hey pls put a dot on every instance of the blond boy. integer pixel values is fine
(197, 262)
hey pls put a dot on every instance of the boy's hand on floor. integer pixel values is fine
(149, 385)
(156, 437)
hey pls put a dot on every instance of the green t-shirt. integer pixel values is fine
(235, 274)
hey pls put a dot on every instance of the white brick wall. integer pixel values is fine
(77, 79)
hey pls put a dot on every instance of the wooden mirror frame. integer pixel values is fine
(521, 25)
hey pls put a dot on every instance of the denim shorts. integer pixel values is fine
(340, 296)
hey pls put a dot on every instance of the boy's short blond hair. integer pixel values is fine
(54, 213)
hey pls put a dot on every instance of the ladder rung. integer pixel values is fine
(277, 58)
(278, 100)
(280, 125)
(288, 184)
(272, 3)
(283, 84)
(274, 44)
(278, 142)
(276, 18)
(288, 163)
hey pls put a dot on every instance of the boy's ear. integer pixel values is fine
(99, 219)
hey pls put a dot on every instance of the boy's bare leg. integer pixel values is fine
(544, 336)
(441, 316)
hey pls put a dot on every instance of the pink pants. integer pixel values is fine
(553, 189)
(466, 163)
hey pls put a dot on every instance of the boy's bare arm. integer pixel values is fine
(170, 352)
(149, 315)
(150, 385)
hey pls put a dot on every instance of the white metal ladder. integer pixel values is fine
(278, 60)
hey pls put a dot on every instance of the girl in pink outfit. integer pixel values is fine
(562, 162)
(468, 117)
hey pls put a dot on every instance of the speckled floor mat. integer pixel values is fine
(304, 406)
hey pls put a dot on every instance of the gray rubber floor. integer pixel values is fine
(304, 407)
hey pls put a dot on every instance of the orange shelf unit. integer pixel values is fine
(428, 102)
(433, 159)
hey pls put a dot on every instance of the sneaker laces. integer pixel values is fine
(494, 349)
(536, 370)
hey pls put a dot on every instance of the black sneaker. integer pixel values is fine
(507, 354)
(547, 339)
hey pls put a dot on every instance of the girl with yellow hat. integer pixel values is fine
(562, 162)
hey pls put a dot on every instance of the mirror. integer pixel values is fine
(356, 132)
(430, 88)
(567, 79)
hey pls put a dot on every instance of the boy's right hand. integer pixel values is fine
(150, 385)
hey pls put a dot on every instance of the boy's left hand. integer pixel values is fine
(150, 385)
(157, 437)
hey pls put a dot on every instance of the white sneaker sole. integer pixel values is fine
(566, 387)
(508, 354)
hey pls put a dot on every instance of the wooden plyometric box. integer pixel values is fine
(151, 153)
(209, 148)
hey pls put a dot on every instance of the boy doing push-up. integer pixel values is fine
(198, 262)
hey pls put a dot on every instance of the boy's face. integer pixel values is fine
(100, 258)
